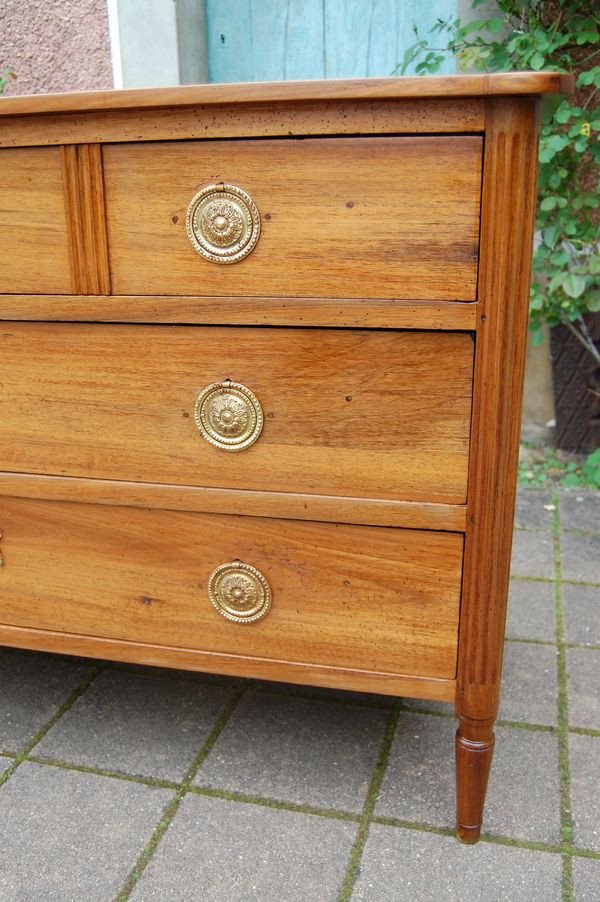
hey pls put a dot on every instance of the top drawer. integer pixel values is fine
(340, 217)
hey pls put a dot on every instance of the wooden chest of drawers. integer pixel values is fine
(262, 357)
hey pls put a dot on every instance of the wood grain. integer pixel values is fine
(238, 120)
(506, 234)
(33, 222)
(86, 218)
(362, 597)
(232, 664)
(347, 313)
(94, 218)
(346, 412)
(355, 217)
(443, 86)
(288, 505)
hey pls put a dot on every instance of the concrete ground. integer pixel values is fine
(121, 782)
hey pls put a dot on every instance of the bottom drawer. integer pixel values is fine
(360, 597)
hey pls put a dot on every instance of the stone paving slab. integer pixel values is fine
(580, 557)
(584, 761)
(582, 614)
(33, 688)
(419, 784)
(5, 763)
(222, 851)
(586, 879)
(531, 611)
(529, 683)
(532, 555)
(412, 866)
(534, 510)
(583, 666)
(580, 511)
(68, 837)
(136, 724)
(523, 792)
(297, 750)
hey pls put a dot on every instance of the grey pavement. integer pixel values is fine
(120, 782)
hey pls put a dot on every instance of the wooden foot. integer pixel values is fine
(474, 750)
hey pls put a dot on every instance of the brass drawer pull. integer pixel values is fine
(223, 223)
(228, 415)
(239, 592)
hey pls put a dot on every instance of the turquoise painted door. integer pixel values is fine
(273, 40)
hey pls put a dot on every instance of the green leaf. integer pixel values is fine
(537, 338)
(594, 264)
(563, 113)
(537, 60)
(573, 285)
(549, 235)
(495, 25)
(587, 37)
(587, 78)
(593, 303)
(548, 203)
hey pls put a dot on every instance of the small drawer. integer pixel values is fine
(368, 598)
(35, 256)
(393, 217)
(322, 411)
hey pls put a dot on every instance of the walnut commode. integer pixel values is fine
(183, 278)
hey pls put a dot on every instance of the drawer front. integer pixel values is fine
(34, 256)
(352, 413)
(352, 217)
(370, 598)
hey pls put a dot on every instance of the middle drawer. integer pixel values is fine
(352, 413)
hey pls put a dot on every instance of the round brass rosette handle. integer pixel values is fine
(228, 415)
(239, 592)
(223, 223)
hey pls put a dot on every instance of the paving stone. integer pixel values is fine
(529, 683)
(580, 510)
(297, 750)
(531, 611)
(532, 555)
(236, 852)
(582, 614)
(584, 759)
(412, 866)
(531, 510)
(33, 688)
(523, 791)
(583, 682)
(580, 557)
(586, 879)
(136, 724)
(5, 763)
(67, 836)
(419, 784)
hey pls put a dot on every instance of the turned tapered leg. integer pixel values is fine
(474, 750)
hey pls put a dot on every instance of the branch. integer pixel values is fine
(584, 337)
